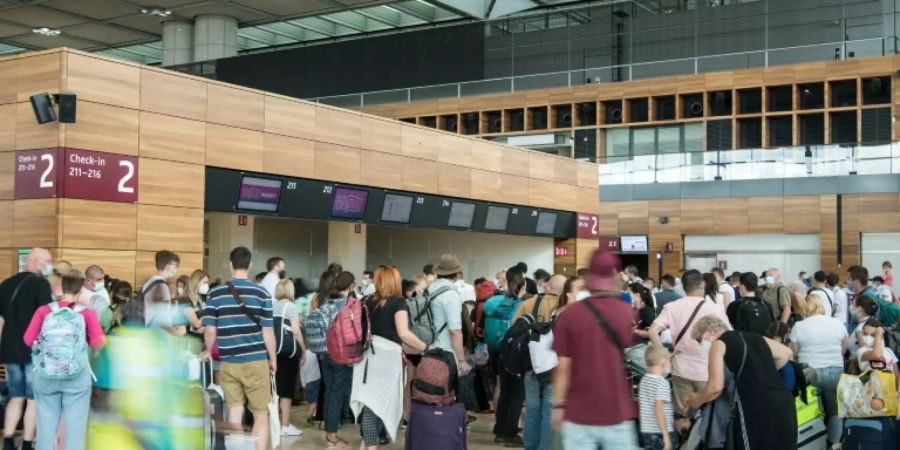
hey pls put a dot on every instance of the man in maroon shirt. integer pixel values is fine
(592, 402)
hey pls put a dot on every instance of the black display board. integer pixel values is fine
(311, 199)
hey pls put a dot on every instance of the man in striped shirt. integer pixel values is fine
(238, 317)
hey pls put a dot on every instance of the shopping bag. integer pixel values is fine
(872, 393)
(274, 418)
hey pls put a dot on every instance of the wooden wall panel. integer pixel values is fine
(6, 225)
(38, 73)
(454, 181)
(36, 223)
(516, 163)
(102, 81)
(521, 191)
(731, 216)
(338, 127)
(381, 170)
(289, 156)
(766, 214)
(565, 173)
(80, 225)
(828, 233)
(8, 266)
(235, 107)
(419, 143)
(234, 148)
(29, 134)
(382, 135)
(173, 94)
(851, 247)
(103, 128)
(486, 185)
(633, 217)
(419, 176)
(172, 138)
(7, 175)
(801, 214)
(588, 200)
(9, 88)
(584, 249)
(118, 264)
(338, 163)
(171, 183)
(588, 175)
(696, 216)
(487, 156)
(541, 166)
(167, 227)
(7, 127)
(290, 117)
(879, 213)
(455, 150)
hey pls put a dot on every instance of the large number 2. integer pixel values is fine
(594, 226)
(130, 166)
(45, 183)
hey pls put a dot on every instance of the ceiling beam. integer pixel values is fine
(370, 14)
(313, 28)
(476, 9)
(343, 23)
(301, 37)
(404, 9)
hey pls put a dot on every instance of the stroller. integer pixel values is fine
(635, 366)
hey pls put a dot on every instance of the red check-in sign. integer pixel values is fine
(588, 226)
(74, 173)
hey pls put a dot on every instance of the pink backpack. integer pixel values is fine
(346, 340)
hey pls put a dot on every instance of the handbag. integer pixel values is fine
(274, 417)
(873, 393)
(736, 414)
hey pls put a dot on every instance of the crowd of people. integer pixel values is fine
(382, 352)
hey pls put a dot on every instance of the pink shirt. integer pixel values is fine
(689, 362)
(889, 278)
(92, 326)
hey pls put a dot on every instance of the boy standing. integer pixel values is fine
(655, 401)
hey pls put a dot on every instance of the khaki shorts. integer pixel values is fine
(681, 388)
(247, 380)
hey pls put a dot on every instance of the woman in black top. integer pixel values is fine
(766, 405)
(642, 300)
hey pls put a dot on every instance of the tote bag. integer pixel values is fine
(274, 418)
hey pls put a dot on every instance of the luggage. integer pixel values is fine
(285, 343)
(420, 316)
(514, 352)
(498, 313)
(214, 398)
(811, 410)
(812, 435)
(870, 434)
(436, 378)
(347, 339)
(872, 393)
(436, 427)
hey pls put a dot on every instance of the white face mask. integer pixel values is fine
(203, 289)
(770, 280)
(705, 347)
(869, 341)
(180, 291)
(582, 295)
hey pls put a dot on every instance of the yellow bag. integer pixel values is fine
(872, 393)
(809, 411)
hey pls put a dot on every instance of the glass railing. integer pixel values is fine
(752, 164)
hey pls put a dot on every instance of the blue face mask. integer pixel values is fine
(47, 270)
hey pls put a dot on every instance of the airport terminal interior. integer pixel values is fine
(729, 153)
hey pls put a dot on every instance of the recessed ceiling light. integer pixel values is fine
(46, 31)
(155, 11)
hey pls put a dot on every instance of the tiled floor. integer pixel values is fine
(480, 437)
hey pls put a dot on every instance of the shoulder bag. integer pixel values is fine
(240, 303)
(687, 325)
(736, 414)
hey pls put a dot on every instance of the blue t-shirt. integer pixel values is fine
(240, 339)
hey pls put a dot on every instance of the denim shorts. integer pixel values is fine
(654, 441)
(19, 380)
(312, 391)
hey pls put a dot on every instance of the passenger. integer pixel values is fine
(510, 393)
(864, 310)
(723, 287)
(873, 348)
(382, 370)
(289, 355)
(62, 266)
(238, 317)
(275, 270)
(466, 293)
(754, 317)
(111, 316)
(645, 311)
(802, 276)
(181, 286)
(841, 301)
(500, 280)
(655, 401)
(799, 291)
(541, 277)
(29, 290)
(421, 283)
(820, 341)
(881, 289)
(156, 294)
(303, 298)
(650, 284)
(573, 291)
(366, 284)
(735, 282)
(768, 418)
(887, 270)
(62, 382)
(428, 270)
(93, 294)
(592, 403)
(821, 292)
(689, 364)
(711, 292)
(538, 395)
(777, 295)
(484, 290)
(667, 294)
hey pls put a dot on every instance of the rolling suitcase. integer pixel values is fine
(215, 401)
(875, 433)
(436, 427)
(812, 435)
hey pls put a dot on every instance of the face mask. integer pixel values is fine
(705, 346)
(869, 341)
(203, 289)
(770, 280)
(582, 295)
(180, 291)
(47, 270)
(99, 289)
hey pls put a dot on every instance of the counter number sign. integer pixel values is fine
(73, 173)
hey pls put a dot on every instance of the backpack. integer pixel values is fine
(422, 319)
(315, 327)
(285, 343)
(498, 313)
(754, 316)
(347, 339)
(888, 313)
(436, 378)
(60, 352)
(540, 348)
(514, 352)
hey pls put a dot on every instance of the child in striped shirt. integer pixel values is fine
(655, 401)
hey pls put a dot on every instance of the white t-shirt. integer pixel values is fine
(826, 298)
(466, 291)
(270, 282)
(887, 354)
(841, 304)
(820, 338)
(726, 289)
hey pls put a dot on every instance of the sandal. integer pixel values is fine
(338, 444)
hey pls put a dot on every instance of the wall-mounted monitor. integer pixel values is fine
(259, 194)
(461, 215)
(546, 223)
(633, 244)
(397, 208)
(349, 203)
(497, 218)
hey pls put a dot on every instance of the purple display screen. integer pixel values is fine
(349, 203)
(259, 194)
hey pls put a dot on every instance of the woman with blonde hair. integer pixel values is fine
(289, 351)
(382, 370)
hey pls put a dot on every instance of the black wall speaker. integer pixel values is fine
(517, 120)
(588, 113)
(692, 105)
(563, 117)
(43, 108)
(613, 111)
(471, 123)
(450, 123)
(495, 122)
(67, 102)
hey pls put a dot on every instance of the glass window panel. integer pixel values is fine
(693, 137)
(617, 143)
(643, 141)
(669, 139)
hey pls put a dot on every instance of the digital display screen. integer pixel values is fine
(633, 244)
(546, 223)
(461, 215)
(259, 194)
(397, 208)
(349, 203)
(497, 218)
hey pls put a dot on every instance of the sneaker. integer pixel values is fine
(291, 430)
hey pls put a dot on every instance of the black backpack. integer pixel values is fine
(753, 315)
(515, 357)
(285, 342)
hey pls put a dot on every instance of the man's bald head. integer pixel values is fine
(556, 284)
(37, 260)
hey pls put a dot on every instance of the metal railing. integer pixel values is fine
(752, 164)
